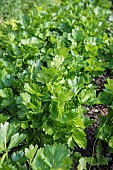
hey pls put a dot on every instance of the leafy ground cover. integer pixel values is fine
(56, 87)
(14, 8)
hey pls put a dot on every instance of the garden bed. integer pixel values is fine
(56, 84)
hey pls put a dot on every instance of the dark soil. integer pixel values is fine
(101, 80)
(92, 113)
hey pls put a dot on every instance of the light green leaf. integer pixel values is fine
(57, 61)
(30, 153)
(6, 131)
(111, 142)
(16, 139)
(32, 88)
(3, 132)
(78, 123)
(76, 84)
(79, 137)
(54, 157)
(11, 131)
(83, 162)
(3, 118)
(26, 97)
(6, 166)
(6, 93)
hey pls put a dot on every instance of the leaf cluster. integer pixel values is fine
(48, 58)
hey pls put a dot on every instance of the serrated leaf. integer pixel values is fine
(11, 131)
(79, 137)
(32, 89)
(78, 123)
(3, 118)
(2, 93)
(30, 153)
(5, 166)
(18, 156)
(6, 93)
(26, 97)
(83, 162)
(104, 132)
(3, 132)
(57, 61)
(87, 121)
(111, 142)
(6, 131)
(16, 139)
(52, 157)
(77, 83)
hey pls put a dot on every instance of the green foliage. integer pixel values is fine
(52, 157)
(106, 127)
(14, 8)
(97, 160)
(48, 57)
(8, 135)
